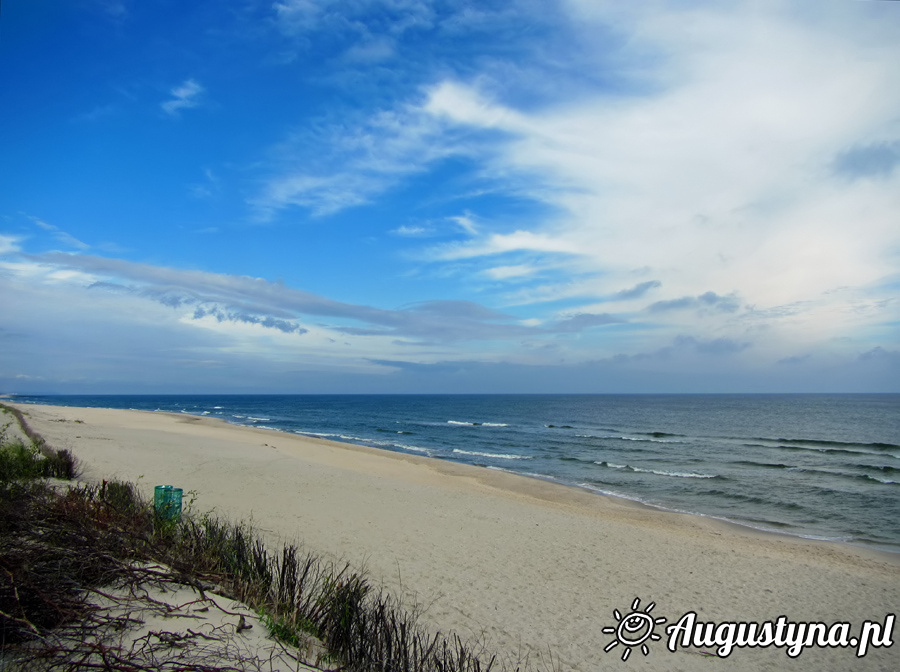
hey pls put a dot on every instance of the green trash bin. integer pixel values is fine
(167, 502)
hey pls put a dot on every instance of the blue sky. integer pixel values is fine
(405, 196)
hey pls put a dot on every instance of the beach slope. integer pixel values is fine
(534, 567)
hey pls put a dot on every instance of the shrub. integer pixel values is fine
(55, 547)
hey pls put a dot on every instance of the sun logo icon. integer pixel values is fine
(634, 629)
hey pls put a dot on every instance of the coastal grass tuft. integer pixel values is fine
(18, 461)
(57, 544)
(34, 459)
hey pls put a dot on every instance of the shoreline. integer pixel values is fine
(534, 564)
(750, 528)
(887, 554)
(890, 553)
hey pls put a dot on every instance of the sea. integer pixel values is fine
(821, 466)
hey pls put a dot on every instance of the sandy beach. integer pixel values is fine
(534, 567)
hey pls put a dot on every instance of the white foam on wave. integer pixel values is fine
(499, 456)
(416, 449)
(881, 480)
(328, 435)
(612, 465)
(658, 472)
(678, 474)
(477, 424)
(613, 493)
(619, 437)
(645, 439)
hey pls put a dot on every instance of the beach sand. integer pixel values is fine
(534, 567)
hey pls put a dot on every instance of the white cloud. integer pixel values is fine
(184, 96)
(354, 163)
(464, 106)
(718, 176)
(210, 188)
(9, 244)
(411, 231)
(65, 238)
(507, 272)
(299, 18)
(254, 301)
(371, 51)
(516, 241)
(42, 224)
(635, 180)
(465, 222)
(747, 151)
(297, 15)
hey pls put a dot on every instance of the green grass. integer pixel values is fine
(18, 461)
(34, 459)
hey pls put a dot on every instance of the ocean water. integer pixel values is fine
(821, 466)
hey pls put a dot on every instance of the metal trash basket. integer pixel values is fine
(167, 502)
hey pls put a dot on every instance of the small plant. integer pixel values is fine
(122, 497)
(19, 462)
(281, 630)
(37, 460)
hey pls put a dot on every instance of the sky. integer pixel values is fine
(401, 196)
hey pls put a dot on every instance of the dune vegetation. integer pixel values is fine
(65, 544)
